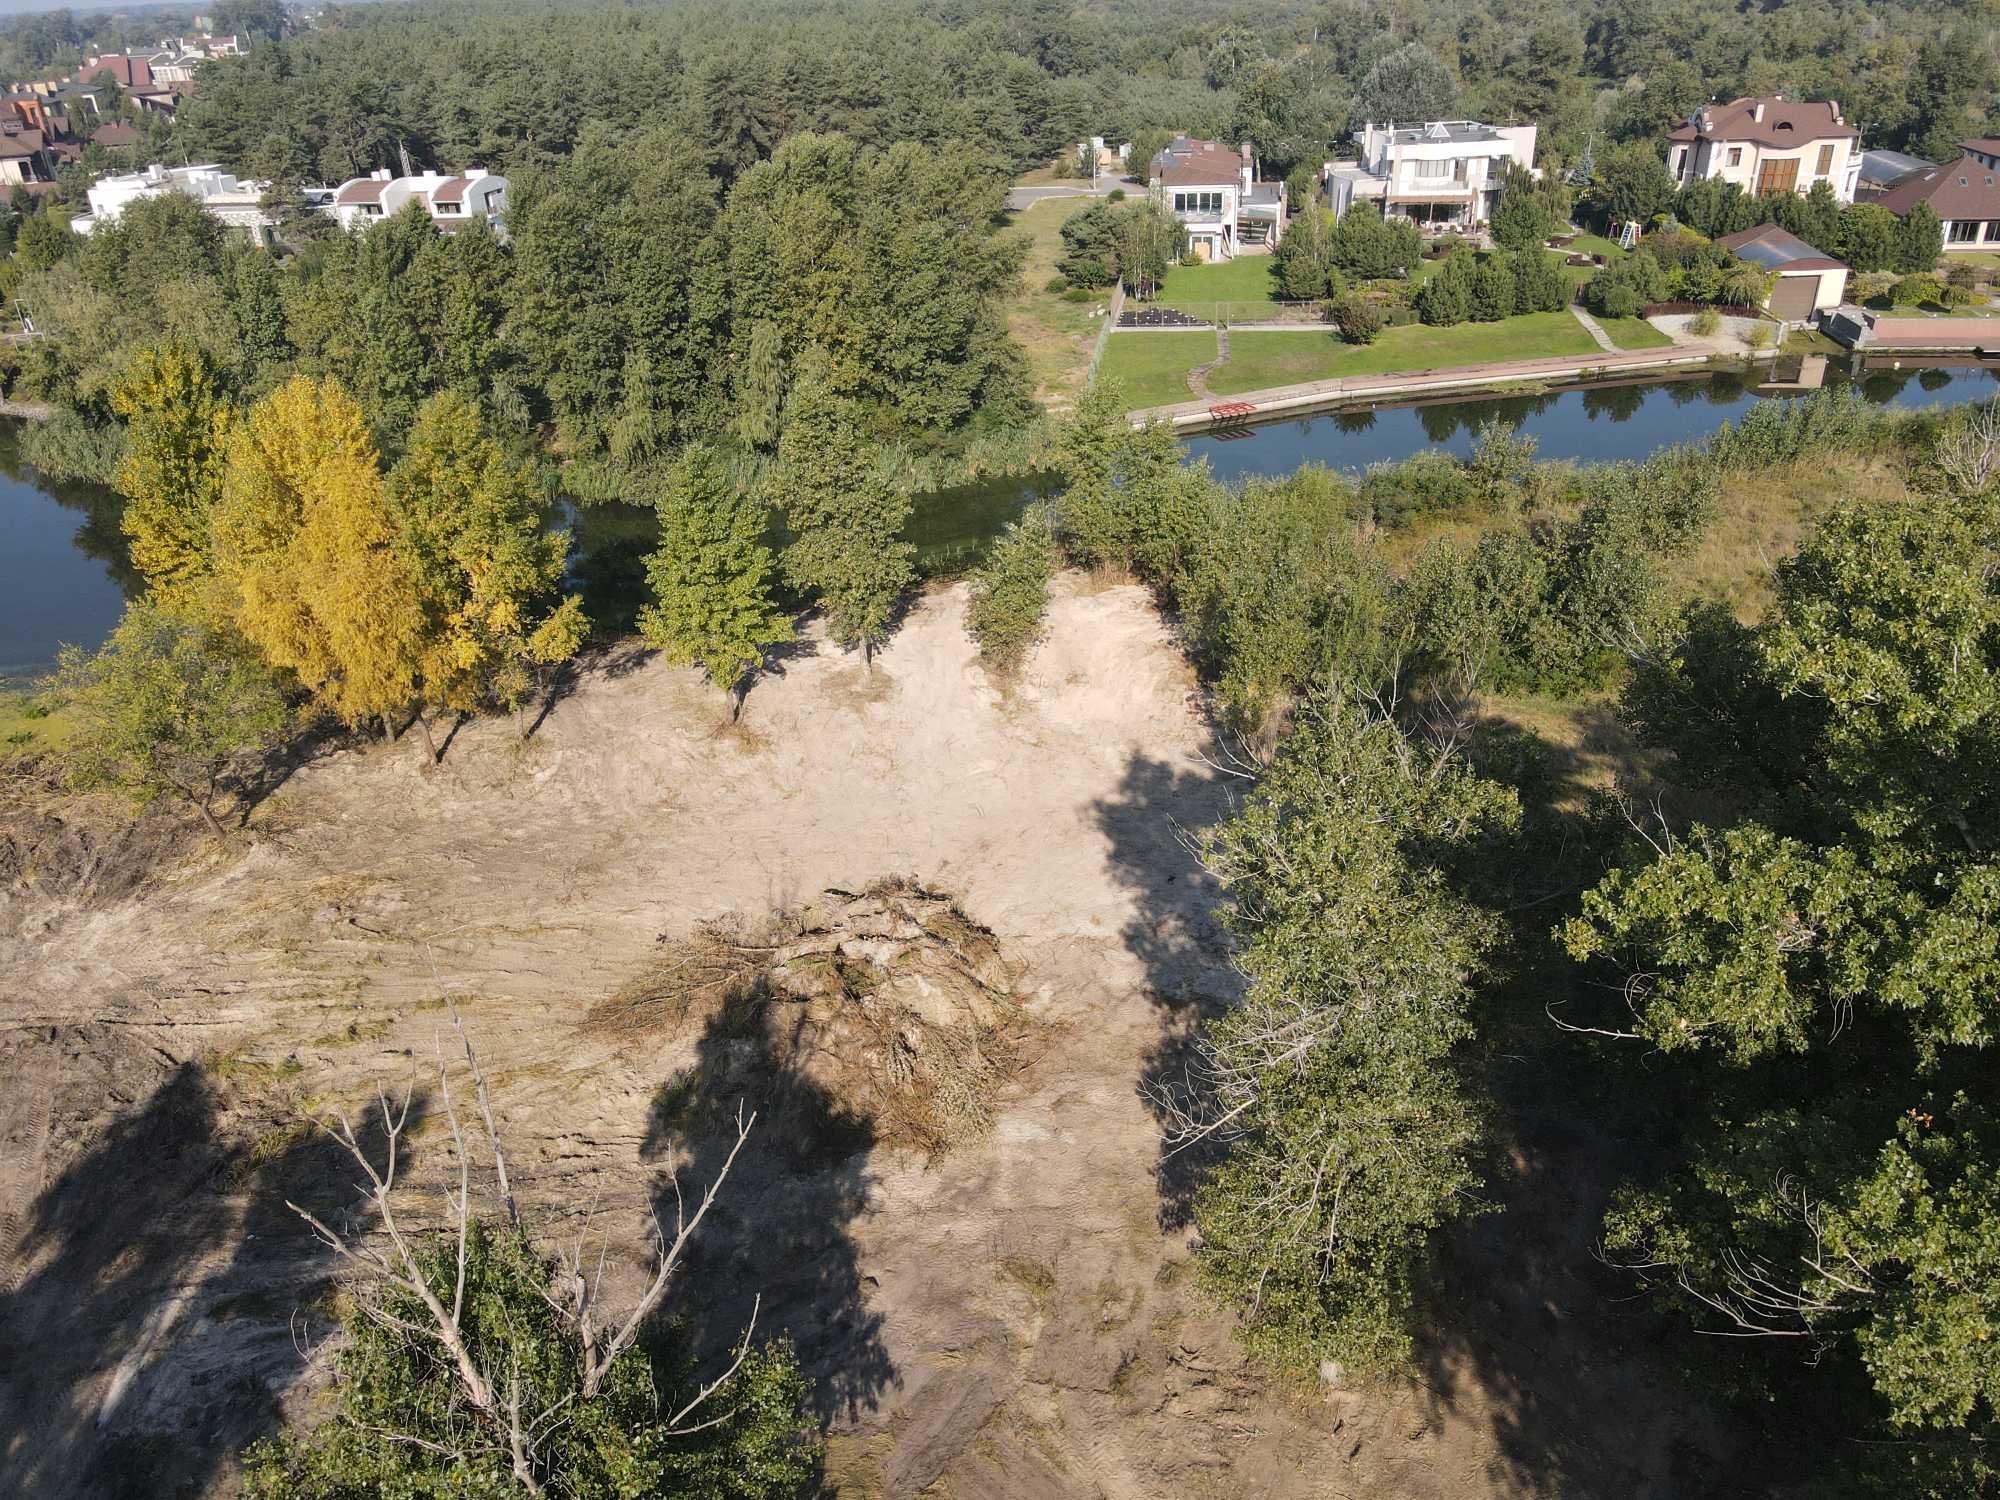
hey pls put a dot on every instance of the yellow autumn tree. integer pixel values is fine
(304, 538)
(472, 530)
(178, 418)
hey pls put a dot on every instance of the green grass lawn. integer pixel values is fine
(1595, 244)
(1634, 333)
(1153, 366)
(1260, 360)
(1197, 289)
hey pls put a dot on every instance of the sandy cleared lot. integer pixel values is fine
(1014, 1318)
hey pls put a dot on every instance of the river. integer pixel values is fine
(63, 576)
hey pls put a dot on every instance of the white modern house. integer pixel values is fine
(1768, 145)
(453, 202)
(237, 203)
(1443, 172)
(1212, 189)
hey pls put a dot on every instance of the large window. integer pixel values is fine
(1197, 203)
(1962, 231)
(1735, 156)
(1432, 171)
(1825, 160)
(1778, 176)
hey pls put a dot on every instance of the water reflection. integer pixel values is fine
(64, 571)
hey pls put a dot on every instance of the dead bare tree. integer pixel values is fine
(1968, 450)
(507, 1416)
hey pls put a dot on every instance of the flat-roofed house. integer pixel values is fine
(1808, 281)
(1212, 189)
(1444, 172)
(1768, 145)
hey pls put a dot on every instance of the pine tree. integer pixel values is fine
(711, 577)
(1919, 240)
(1447, 297)
(179, 419)
(472, 533)
(1493, 289)
(845, 518)
(304, 539)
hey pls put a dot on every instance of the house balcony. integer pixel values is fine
(1204, 216)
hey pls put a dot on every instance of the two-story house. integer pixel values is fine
(1443, 172)
(474, 195)
(1768, 145)
(1212, 189)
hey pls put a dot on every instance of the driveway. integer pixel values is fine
(1028, 197)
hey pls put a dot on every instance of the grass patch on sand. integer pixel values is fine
(1153, 367)
(27, 729)
(1260, 360)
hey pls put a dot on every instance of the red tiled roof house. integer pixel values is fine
(1768, 145)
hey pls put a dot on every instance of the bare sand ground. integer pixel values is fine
(1014, 1319)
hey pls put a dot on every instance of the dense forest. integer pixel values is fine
(757, 266)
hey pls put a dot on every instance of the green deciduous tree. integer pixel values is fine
(1820, 973)
(1348, 1135)
(1408, 85)
(846, 519)
(1010, 591)
(166, 707)
(711, 577)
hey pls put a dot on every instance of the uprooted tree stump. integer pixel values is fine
(886, 1009)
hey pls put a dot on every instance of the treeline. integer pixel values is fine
(636, 307)
(516, 85)
(1804, 981)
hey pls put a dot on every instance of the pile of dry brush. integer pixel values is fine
(888, 1007)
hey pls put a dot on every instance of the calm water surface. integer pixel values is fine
(64, 578)
(63, 574)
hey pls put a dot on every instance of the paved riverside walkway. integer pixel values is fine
(1190, 415)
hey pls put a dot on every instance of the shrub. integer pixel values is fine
(1963, 276)
(1358, 320)
(1116, 195)
(1705, 323)
(1079, 294)
(1056, 284)
(1010, 592)
(1760, 334)
(1915, 291)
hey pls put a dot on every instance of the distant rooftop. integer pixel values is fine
(1443, 131)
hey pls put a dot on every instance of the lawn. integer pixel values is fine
(1153, 366)
(1056, 335)
(1245, 283)
(1261, 360)
(1634, 333)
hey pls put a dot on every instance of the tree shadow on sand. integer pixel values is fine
(1148, 824)
(168, 1303)
(779, 1230)
(1523, 1337)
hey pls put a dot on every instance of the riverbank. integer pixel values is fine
(1288, 400)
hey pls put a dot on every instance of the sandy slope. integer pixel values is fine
(1010, 1320)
